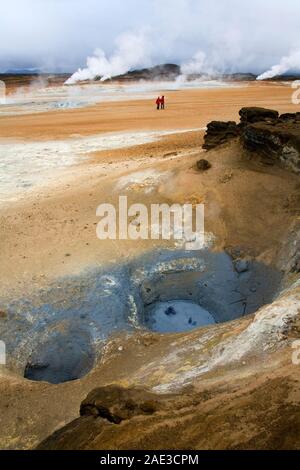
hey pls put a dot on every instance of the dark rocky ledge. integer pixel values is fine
(272, 138)
(255, 114)
(116, 404)
(219, 132)
(191, 419)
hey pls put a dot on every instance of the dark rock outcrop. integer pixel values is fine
(275, 143)
(255, 114)
(290, 117)
(272, 138)
(219, 132)
(117, 404)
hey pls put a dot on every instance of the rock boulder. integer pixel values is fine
(256, 114)
(275, 143)
(219, 132)
(116, 403)
(272, 138)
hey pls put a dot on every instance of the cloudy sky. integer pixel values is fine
(58, 35)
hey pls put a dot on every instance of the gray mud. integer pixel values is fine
(56, 335)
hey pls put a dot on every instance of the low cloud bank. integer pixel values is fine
(200, 35)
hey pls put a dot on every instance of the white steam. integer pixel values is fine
(287, 63)
(132, 51)
(199, 64)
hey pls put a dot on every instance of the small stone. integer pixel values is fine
(241, 265)
(3, 314)
(203, 165)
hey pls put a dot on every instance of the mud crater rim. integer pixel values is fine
(183, 300)
(163, 292)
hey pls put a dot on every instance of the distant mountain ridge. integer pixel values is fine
(161, 72)
(158, 72)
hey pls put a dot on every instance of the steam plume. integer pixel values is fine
(287, 63)
(198, 64)
(131, 51)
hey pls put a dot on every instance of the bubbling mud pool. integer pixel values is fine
(57, 335)
(177, 315)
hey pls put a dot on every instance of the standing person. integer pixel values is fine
(162, 102)
(158, 102)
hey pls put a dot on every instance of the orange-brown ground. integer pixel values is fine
(185, 109)
(52, 233)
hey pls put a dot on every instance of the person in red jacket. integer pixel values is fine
(158, 101)
(162, 102)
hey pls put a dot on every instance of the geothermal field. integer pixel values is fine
(145, 344)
